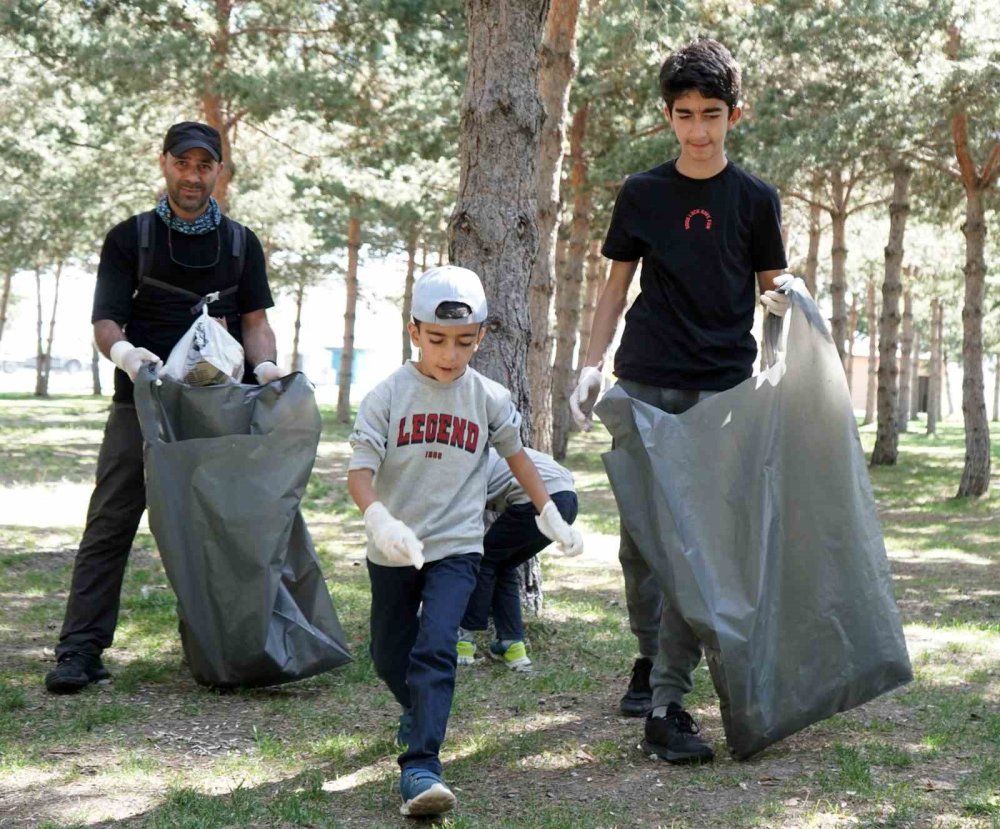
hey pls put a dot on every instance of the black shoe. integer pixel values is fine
(638, 699)
(74, 672)
(674, 738)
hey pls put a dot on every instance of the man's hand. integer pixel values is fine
(552, 525)
(396, 541)
(584, 396)
(777, 302)
(266, 371)
(130, 359)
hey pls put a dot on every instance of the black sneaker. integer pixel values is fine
(638, 699)
(74, 672)
(674, 738)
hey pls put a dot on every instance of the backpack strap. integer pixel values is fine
(147, 234)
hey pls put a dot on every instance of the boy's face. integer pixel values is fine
(700, 125)
(445, 350)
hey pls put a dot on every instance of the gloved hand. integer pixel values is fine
(266, 371)
(777, 302)
(584, 396)
(552, 525)
(130, 359)
(395, 540)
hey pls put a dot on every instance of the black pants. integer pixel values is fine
(116, 507)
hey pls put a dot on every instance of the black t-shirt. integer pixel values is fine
(156, 318)
(701, 242)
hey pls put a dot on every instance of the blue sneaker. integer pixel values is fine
(424, 793)
(405, 727)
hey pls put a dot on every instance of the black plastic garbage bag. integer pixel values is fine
(755, 511)
(226, 468)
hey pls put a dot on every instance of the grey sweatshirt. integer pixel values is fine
(427, 444)
(503, 490)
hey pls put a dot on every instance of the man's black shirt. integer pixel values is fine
(701, 242)
(157, 318)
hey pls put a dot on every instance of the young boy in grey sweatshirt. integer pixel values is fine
(418, 473)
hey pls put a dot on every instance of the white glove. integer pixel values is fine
(396, 541)
(584, 396)
(552, 526)
(777, 302)
(130, 359)
(266, 371)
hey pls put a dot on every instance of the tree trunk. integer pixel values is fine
(595, 274)
(915, 384)
(815, 235)
(95, 370)
(872, 387)
(946, 377)
(8, 278)
(212, 105)
(851, 334)
(905, 371)
(350, 311)
(43, 366)
(996, 387)
(934, 386)
(889, 391)
(494, 228)
(838, 264)
(557, 64)
(569, 286)
(300, 295)
(411, 269)
(976, 473)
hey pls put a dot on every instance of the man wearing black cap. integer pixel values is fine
(154, 268)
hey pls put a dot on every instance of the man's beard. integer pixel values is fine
(189, 202)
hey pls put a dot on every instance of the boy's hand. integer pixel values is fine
(552, 525)
(584, 396)
(396, 541)
(777, 301)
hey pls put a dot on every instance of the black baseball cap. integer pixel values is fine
(190, 134)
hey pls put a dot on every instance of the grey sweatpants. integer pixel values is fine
(663, 634)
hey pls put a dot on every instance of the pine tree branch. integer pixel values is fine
(795, 194)
(960, 132)
(992, 168)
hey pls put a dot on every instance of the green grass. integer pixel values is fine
(540, 751)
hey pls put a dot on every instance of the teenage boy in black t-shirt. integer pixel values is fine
(704, 230)
(193, 253)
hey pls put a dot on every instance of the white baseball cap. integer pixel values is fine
(448, 283)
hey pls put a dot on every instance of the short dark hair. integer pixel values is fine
(703, 65)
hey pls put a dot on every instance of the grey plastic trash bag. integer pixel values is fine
(755, 512)
(226, 468)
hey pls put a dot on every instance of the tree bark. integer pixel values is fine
(43, 364)
(976, 472)
(411, 269)
(557, 65)
(934, 386)
(569, 286)
(851, 334)
(996, 387)
(8, 278)
(494, 228)
(815, 236)
(95, 370)
(212, 105)
(350, 312)
(838, 263)
(300, 295)
(945, 377)
(905, 371)
(889, 391)
(915, 384)
(872, 387)
(595, 278)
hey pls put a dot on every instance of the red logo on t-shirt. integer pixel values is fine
(696, 212)
(437, 427)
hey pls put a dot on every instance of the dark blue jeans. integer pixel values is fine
(511, 541)
(415, 655)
